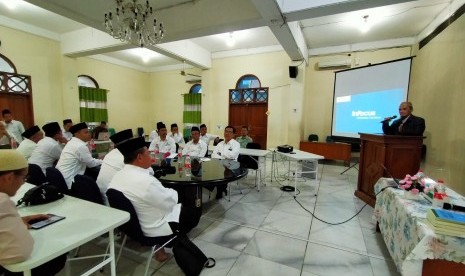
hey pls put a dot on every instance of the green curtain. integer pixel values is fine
(192, 115)
(93, 104)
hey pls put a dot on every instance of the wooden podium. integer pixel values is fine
(401, 155)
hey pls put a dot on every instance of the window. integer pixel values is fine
(196, 89)
(248, 90)
(87, 81)
(10, 81)
(248, 81)
(92, 101)
(6, 65)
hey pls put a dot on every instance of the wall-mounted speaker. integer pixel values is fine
(293, 72)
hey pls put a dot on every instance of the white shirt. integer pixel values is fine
(178, 139)
(195, 150)
(155, 205)
(153, 135)
(163, 146)
(27, 147)
(15, 129)
(68, 135)
(227, 151)
(48, 151)
(208, 137)
(111, 164)
(74, 159)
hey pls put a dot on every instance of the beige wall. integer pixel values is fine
(54, 81)
(272, 70)
(40, 58)
(437, 91)
(166, 100)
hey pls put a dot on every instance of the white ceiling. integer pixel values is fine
(199, 29)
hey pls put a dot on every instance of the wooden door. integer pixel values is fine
(16, 95)
(254, 117)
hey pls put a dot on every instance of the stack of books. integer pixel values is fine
(447, 222)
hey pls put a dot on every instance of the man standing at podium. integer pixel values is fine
(408, 124)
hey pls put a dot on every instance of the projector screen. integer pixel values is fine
(364, 96)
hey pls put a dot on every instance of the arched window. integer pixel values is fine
(196, 89)
(87, 81)
(10, 80)
(6, 65)
(248, 81)
(92, 101)
(248, 90)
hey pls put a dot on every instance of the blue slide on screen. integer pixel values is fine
(363, 112)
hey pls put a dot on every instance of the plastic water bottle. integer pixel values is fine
(441, 187)
(187, 165)
(152, 157)
(13, 143)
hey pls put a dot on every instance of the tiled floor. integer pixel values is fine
(269, 233)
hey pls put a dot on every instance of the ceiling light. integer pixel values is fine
(134, 23)
(230, 40)
(11, 4)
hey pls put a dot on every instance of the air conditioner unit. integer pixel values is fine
(334, 64)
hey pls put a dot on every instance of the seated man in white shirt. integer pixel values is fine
(195, 147)
(48, 150)
(113, 162)
(157, 207)
(177, 137)
(31, 137)
(67, 123)
(154, 133)
(163, 143)
(207, 137)
(76, 156)
(227, 149)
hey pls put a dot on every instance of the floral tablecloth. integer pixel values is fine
(407, 236)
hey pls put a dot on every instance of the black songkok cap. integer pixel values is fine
(194, 128)
(121, 136)
(66, 121)
(77, 127)
(51, 129)
(30, 131)
(131, 145)
(174, 125)
(160, 125)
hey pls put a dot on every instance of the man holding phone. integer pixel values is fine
(16, 242)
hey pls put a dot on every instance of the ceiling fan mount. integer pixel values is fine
(184, 73)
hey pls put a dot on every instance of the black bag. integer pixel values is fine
(189, 257)
(42, 194)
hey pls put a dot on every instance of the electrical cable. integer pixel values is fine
(338, 223)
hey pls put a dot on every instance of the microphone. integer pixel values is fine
(388, 119)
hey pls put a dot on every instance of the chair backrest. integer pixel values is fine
(253, 146)
(132, 228)
(36, 175)
(216, 143)
(247, 161)
(55, 178)
(84, 187)
(313, 138)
